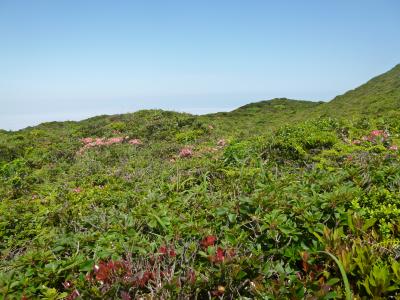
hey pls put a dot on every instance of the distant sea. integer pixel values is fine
(16, 121)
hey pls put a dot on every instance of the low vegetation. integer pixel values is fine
(263, 202)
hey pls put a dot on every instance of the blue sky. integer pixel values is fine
(74, 59)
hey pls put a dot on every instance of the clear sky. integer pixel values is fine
(74, 59)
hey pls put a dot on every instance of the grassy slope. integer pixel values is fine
(273, 197)
(258, 118)
(376, 97)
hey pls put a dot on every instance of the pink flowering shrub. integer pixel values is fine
(87, 140)
(376, 136)
(135, 142)
(114, 140)
(186, 152)
(376, 133)
(77, 190)
(98, 142)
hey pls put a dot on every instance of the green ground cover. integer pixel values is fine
(276, 200)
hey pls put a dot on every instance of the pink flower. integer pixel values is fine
(114, 140)
(394, 148)
(90, 142)
(186, 152)
(87, 140)
(356, 142)
(97, 142)
(375, 136)
(378, 133)
(135, 142)
(77, 190)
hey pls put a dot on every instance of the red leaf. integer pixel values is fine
(208, 241)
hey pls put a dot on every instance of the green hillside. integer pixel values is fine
(376, 97)
(279, 199)
(253, 118)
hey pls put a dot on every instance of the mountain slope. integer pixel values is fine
(376, 97)
(255, 118)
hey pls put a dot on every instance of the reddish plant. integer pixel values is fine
(208, 241)
(191, 276)
(125, 296)
(104, 271)
(152, 273)
(145, 278)
(219, 256)
(167, 251)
